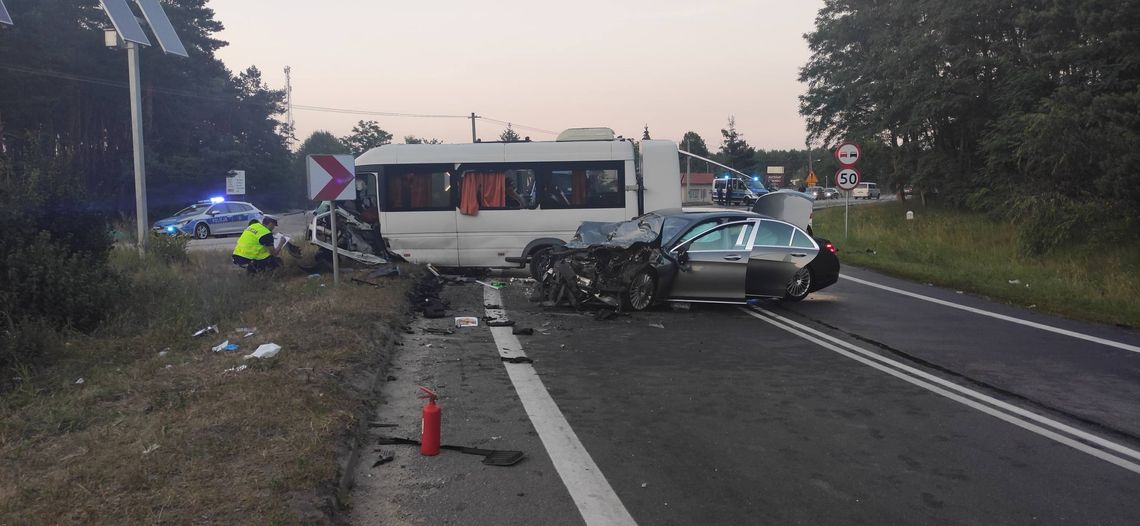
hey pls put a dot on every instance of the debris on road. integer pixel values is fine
(518, 359)
(441, 332)
(491, 457)
(498, 322)
(386, 456)
(212, 329)
(657, 325)
(384, 272)
(680, 305)
(265, 350)
(466, 321)
(523, 331)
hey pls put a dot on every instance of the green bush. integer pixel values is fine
(168, 249)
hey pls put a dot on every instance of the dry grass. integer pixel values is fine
(1095, 280)
(176, 439)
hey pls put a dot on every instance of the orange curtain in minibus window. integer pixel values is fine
(493, 189)
(578, 188)
(469, 194)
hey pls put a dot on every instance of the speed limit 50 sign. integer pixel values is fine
(847, 178)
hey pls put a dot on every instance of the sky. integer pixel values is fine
(544, 66)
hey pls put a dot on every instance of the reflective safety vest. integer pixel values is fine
(249, 246)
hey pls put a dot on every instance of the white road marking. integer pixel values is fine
(1011, 319)
(873, 360)
(592, 493)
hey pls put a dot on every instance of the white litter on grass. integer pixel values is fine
(163, 353)
(213, 329)
(221, 346)
(246, 332)
(237, 369)
(657, 325)
(266, 350)
(79, 382)
(1015, 282)
(150, 449)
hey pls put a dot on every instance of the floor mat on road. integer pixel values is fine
(491, 457)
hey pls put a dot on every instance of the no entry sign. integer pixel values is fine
(331, 177)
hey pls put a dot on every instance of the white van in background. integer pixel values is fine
(494, 204)
(866, 191)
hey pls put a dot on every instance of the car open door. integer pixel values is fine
(714, 264)
(786, 205)
(779, 250)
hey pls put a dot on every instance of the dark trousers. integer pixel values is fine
(253, 266)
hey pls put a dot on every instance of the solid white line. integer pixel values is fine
(960, 389)
(811, 336)
(1011, 319)
(592, 493)
(1079, 446)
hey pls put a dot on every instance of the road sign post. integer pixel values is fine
(847, 178)
(331, 179)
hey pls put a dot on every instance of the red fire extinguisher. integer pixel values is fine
(430, 424)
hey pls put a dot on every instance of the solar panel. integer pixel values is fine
(5, 18)
(125, 22)
(161, 27)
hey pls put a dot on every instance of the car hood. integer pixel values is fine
(786, 205)
(622, 234)
(170, 221)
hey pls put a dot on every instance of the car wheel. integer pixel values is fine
(540, 260)
(202, 231)
(642, 291)
(799, 286)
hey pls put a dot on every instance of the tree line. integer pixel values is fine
(1025, 109)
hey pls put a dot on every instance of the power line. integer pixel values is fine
(193, 95)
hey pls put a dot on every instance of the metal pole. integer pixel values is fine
(688, 172)
(473, 127)
(335, 251)
(846, 210)
(137, 134)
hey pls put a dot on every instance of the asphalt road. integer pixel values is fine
(860, 405)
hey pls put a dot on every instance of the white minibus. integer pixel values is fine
(494, 204)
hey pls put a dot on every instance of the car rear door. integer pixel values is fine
(778, 251)
(717, 263)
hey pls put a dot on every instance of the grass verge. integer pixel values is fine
(1094, 280)
(159, 431)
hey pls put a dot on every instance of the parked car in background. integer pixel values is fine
(831, 193)
(206, 218)
(816, 192)
(866, 191)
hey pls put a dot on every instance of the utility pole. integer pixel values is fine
(137, 139)
(473, 117)
(289, 97)
(688, 171)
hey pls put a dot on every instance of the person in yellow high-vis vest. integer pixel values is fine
(255, 248)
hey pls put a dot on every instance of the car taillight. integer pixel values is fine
(831, 248)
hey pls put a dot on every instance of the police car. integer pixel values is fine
(208, 218)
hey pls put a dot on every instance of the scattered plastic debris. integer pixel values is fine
(213, 329)
(266, 350)
(442, 332)
(386, 456)
(657, 325)
(680, 305)
(237, 369)
(150, 449)
(163, 352)
(959, 292)
(246, 332)
(645, 484)
(225, 346)
(466, 321)
(1015, 282)
(518, 359)
(384, 272)
(498, 322)
(494, 285)
(79, 382)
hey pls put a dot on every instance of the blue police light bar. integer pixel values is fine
(5, 18)
(217, 200)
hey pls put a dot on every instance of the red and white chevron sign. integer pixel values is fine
(331, 177)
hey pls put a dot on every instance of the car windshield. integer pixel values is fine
(191, 210)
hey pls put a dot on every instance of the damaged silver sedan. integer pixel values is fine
(720, 256)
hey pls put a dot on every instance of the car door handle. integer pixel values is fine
(732, 257)
(798, 255)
